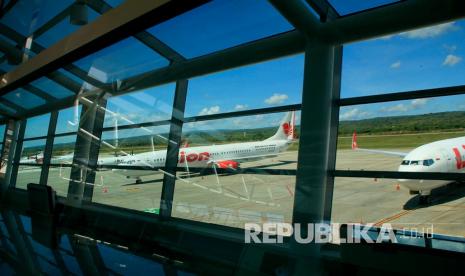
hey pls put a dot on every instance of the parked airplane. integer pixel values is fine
(444, 156)
(219, 156)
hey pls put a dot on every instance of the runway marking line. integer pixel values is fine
(393, 217)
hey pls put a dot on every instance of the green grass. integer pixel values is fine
(396, 141)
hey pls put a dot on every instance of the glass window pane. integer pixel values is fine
(132, 189)
(420, 59)
(273, 83)
(220, 24)
(345, 7)
(24, 99)
(119, 61)
(237, 195)
(37, 126)
(68, 119)
(25, 17)
(26, 175)
(153, 104)
(62, 154)
(388, 133)
(33, 152)
(52, 88)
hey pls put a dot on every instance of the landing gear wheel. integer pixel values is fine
(425, 199)
(138, 181)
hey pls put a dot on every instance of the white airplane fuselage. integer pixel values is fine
(445, 156)
(222, 156)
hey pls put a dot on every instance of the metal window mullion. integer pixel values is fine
(172, 152)
(312, 171)
(333, 135)
(18, 147)
(82, 161)
(48, 148)
(95, 148)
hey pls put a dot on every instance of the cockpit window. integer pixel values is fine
(416, 162)
(428, 162)
(405, 162)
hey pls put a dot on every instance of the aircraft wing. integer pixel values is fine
(394, 153)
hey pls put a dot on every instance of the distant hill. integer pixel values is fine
(433, 122)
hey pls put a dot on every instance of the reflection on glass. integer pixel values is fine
(267, 84)
(68, 119)
(420, 59)
(132, 189)
(62, 155)
(26, 175)
(119, 61)
(236, 194)
(37, 126)
(2, 133)
(153, 104)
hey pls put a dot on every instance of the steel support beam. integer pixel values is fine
(299, 15)
(312, 165)
(324, 9)
(86, 152)
(333, 131)
(399, 17)
(111, 27)
(48, 148)
(257, 51)
(14, 155)
(172, 152)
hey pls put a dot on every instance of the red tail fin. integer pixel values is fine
(354, 141)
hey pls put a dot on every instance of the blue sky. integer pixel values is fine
(419, 59)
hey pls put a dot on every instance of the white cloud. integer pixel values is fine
(414, 104)
(451, 60)
(419, 103)
(276, 99)
(395, 65)
(396, 108)
(353, 114)
(210, 110)
(423, 33)
(429, 32)
(240, 106)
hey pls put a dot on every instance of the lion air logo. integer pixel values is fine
(288, 130)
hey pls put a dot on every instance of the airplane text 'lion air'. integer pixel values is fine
(220, 156)
(445, 156)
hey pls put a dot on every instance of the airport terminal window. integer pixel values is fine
(256, 157)
(415, 135)
(209, 28)
(420, 59)
(131, 188)
(272, 83)
(37, 126)
(149, 105)
(61, 160)
(29, 169)
(68, 119)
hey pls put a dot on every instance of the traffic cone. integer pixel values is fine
(397, 187)
(105, 190)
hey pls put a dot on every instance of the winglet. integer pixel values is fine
(354, 141)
